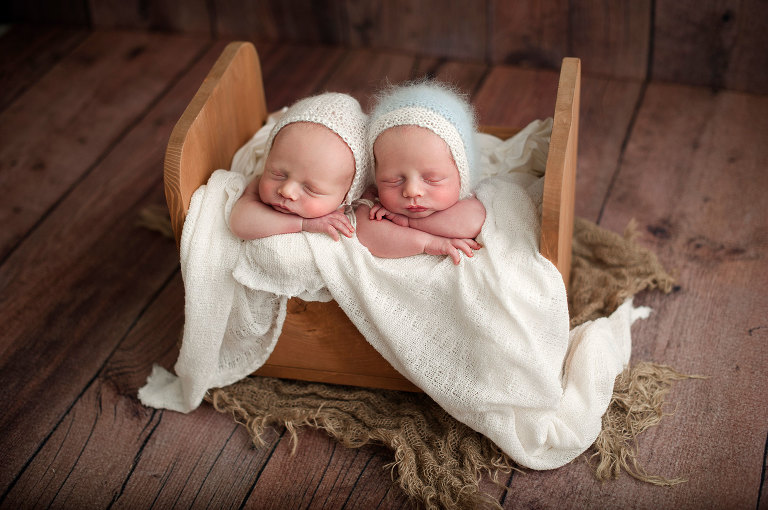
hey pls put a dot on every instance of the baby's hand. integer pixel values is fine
(379, 212)
(330, 224)
(445, 246)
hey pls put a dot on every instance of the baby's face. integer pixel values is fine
(308, 171)
(415, 172)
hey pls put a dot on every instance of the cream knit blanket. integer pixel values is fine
(488, 339)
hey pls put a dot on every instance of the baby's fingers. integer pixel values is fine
(345, 227)
(455, 255)
(473, 244)
(331, 231)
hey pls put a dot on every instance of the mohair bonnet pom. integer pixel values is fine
(437, 107)
(341, 113)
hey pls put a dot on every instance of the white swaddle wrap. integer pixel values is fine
(488, 339)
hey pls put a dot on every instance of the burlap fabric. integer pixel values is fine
(438, 461)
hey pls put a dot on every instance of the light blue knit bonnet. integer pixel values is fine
(440, 109)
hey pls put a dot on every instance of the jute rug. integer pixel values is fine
(437, 461)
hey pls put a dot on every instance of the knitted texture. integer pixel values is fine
(434, 106)
(341, 113)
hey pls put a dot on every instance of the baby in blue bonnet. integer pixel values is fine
(421, 138)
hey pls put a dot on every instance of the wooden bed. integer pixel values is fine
(318, 342)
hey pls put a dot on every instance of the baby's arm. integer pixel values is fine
(253, 219)
(463, 220)
(388, 240)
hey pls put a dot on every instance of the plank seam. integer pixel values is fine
(354, 485)
(80, 454)
(762, 474)
(622, 150)
(205, 478)
(137, 457)
(87, 386)
(10, 100)
(107, 151)
(507, 488)
(258, 475)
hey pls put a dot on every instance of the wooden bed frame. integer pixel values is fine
(318, 342)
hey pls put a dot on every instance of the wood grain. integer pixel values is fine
(607, 108)
(529, 33)
(466, 76)
(154, 464)
(29, 52)
(69, 120)
(292, 71)
(515, 97)
(324, 474)
(363, 72)
(70, 292)
(611, 38)
(289, 22)
(711, 43)
(560, 174)
(607, 111)
(453, 28)
(187, 16)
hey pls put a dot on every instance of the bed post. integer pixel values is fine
(560, 177)
(225, 112)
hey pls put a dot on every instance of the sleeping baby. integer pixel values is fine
(315, 165)
(421, 138)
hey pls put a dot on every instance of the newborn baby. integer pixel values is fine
(421, 139)
(315, 164)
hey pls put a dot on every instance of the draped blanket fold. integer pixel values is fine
(488, 339)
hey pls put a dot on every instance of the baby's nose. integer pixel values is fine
(412, 188)
(288, 190)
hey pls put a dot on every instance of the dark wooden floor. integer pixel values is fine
(88, 300)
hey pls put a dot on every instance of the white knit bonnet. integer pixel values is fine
(437, 107)
(341, 113)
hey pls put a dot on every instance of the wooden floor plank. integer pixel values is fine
(156, 462)
(515, 97)
(693, 176)
(292, 72)
(324, 474)
(29, 52)
(54, 133)
(71, 291)
(363, 72)
(466, 76)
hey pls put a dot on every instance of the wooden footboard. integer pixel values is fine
(318, 342)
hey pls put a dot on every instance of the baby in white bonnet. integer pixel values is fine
(315, 165)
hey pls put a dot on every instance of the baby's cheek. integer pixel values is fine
(444, 198)
(389, 198)
(265, 191)
(316, 207)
